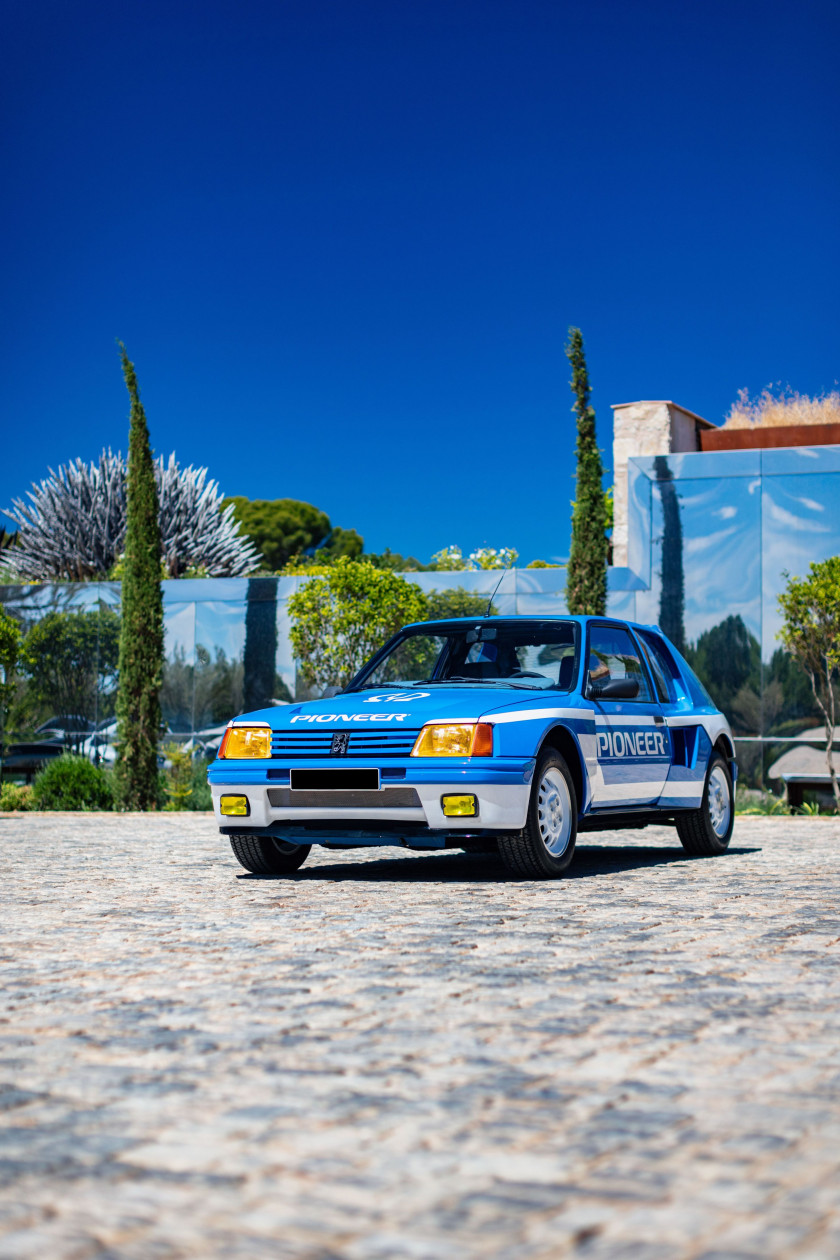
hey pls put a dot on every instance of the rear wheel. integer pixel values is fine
(546, 845)
(706, 832)
(266, 855)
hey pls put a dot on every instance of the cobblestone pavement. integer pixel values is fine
(394, 1055)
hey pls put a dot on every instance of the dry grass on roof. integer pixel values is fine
(771, 410)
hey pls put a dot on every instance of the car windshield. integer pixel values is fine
(531, 655)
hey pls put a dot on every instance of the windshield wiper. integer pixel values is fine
(388, 686)
(490, 682)
(445, 682)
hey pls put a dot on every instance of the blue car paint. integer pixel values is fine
(630, 755)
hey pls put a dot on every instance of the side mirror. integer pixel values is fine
(329, 692)
(615, 689)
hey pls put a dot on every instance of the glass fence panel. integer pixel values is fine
(220, 646)
(639, 525)
(261, 687)
(547, 603)
(551, 582)
(284, 662)
(69, 685)
(811, 460)
(705, 589)
(801, 526)
(176, 696)
(622, 604)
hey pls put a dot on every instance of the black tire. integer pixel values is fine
(264, 855)
(546, 845)
(706, 832)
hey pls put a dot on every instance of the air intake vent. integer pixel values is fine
(369, 744)
(388, 798)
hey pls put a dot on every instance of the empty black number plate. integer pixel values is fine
(334, 780)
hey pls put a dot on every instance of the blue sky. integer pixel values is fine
(344, 242)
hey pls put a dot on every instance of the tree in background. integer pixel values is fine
(586, 582)
(260, 654)
(70, 660)
(455, 603)
(727, 658)
(397, 563)
(10, 637)
(349, 610)
(342, 542)
(811, 632)
(344, 615)
(797, 705)
(452, 559)
(281, 529)
(141, 628)
(672, 591)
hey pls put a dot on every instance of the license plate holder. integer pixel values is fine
(359, 778)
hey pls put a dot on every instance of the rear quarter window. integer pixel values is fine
(676, 669)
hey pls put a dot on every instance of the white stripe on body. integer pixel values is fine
(523, 715)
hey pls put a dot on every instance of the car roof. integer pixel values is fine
(581, 620)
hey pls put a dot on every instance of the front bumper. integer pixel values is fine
(502, 787)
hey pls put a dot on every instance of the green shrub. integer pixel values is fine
(185, 780)
(72, 782)
(202, 797)
(15, 796)
(178, 776)
(755, 801)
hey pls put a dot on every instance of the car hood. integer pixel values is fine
(409, 708)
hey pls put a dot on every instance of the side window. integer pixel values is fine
(662, 666)
(664, 686)
(613, 654)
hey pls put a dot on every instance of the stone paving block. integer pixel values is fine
(402, 1055)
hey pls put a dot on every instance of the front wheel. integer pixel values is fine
(546, 845)
(706, 832)
(265, 855)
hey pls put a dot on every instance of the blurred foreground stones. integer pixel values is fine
(394, 1055)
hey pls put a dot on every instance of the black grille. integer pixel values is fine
(367, 743)
(388, 798)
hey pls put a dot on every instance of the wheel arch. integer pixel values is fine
(564, 741)
(725, 745)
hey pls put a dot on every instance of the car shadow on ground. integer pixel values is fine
(591, 860)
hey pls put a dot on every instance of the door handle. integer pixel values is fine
(658, 719)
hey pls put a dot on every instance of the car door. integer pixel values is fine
(632, 742)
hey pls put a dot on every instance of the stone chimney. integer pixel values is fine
(646, 428)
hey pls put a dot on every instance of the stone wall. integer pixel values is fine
(646, 428)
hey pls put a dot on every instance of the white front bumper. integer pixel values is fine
(501, 807)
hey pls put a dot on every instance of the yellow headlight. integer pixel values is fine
(444, 741)
(245, 742)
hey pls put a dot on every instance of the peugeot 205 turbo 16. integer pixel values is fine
(492, 733)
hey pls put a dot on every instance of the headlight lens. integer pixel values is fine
(464, 739)
(243, 742)
(234, 806)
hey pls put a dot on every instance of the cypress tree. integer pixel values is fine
(672, 595)
(586, 581)
(141, 626)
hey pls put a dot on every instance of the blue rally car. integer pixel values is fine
(491, 733)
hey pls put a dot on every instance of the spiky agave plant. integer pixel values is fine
(73, 526)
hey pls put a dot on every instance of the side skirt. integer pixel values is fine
(626, 820)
